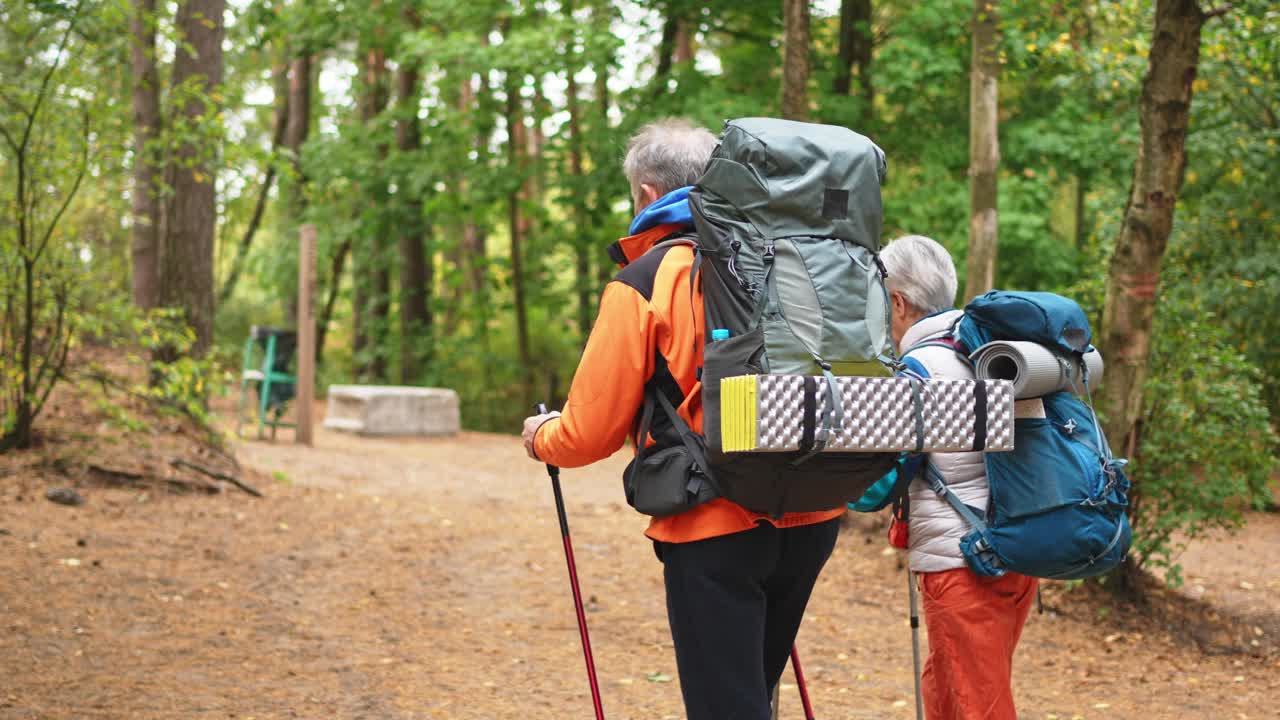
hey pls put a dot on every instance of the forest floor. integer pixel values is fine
(425, 578)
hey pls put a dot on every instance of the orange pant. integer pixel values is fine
(974, 624)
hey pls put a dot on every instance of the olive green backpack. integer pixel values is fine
(788, 216)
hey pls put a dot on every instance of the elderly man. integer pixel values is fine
(974, 623)
(737, 582)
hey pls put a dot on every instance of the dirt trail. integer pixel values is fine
(419, 579)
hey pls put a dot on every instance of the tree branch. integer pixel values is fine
(44, 84)
(1218, 11)
(60, 300)
(179, 462)
(75, 187)
(9, 139)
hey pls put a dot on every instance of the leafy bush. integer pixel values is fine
(1207, 444)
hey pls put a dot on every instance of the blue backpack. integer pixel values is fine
(1058, 500)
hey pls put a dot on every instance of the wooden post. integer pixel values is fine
(306, 331)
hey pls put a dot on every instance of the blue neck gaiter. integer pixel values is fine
(672, 208)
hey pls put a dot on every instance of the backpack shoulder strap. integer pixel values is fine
(943, 340)
(679, 238)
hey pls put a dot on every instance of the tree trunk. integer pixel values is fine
(984, 150)
(280, 85)
(856, 45)
(685, 51)
(795, 60)
(146, 165)
(1082, 215)
(416, 266)
(602, 19)
(1133, 277)
(666, 55)
(518, 141)
(582, 248)
(474, 236)
(336, 268)
(296, 129)
(187, 280)
(467, 252)
(373, 279)
(477, 236)
(297, 126)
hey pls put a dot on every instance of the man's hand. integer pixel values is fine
(531, 425)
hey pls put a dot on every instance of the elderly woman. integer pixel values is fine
(974, 622)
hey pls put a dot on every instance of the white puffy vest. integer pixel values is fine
(935, 528)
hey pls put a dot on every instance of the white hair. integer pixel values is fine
(922, 271)
(667, 154)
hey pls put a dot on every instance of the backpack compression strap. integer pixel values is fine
(977, 547)
(979, 387)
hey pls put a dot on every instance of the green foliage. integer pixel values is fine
(1207, 445)
(49, 133)
(1069, 87)
(186, 384)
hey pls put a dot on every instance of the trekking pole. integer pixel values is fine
(915, 643)
(554, 473)
(804, 689)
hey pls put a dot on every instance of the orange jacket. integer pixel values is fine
(646, 309)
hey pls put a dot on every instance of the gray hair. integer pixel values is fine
(922, 271)
(667, 154)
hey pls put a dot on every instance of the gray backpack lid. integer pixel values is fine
(782, 178)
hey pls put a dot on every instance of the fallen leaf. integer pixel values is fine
(657, 677)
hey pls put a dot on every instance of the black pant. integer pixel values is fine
(735, 603)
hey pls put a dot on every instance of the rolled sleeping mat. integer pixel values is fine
(783, 413)
(1034, 369)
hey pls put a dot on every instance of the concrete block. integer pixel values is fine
(392, 410)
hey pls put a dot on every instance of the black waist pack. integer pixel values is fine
(664, 481)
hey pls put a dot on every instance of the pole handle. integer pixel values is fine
(552, 470)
